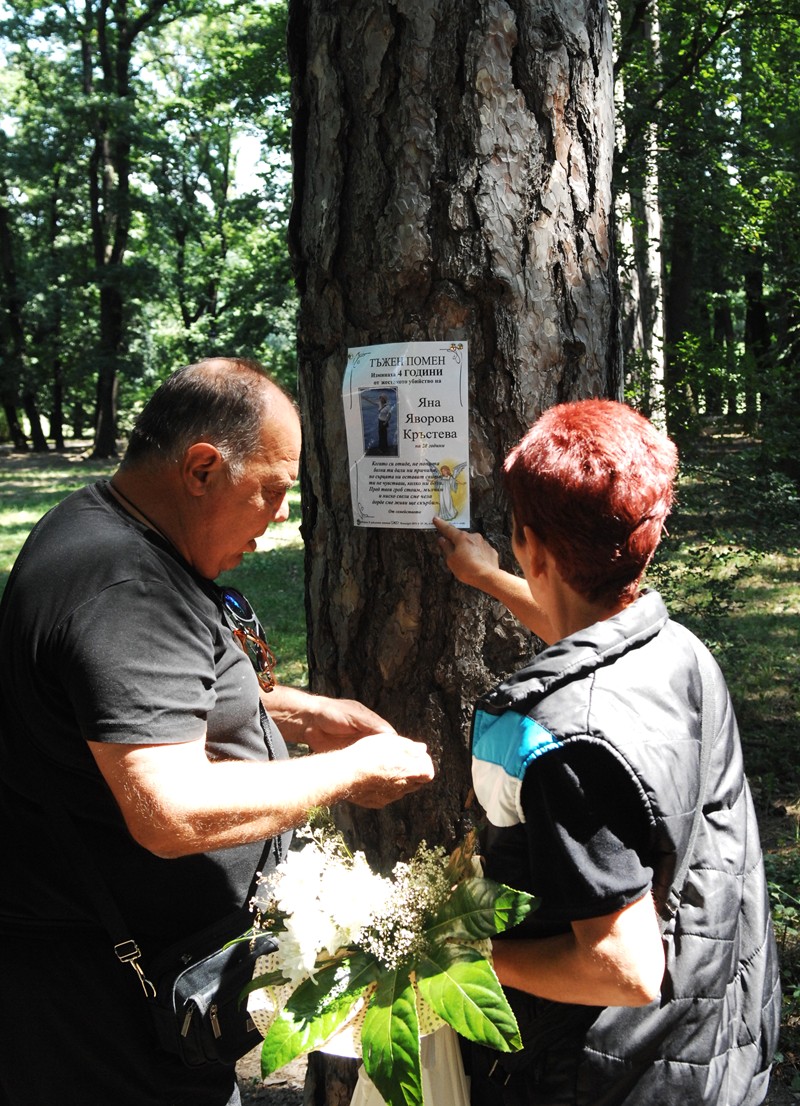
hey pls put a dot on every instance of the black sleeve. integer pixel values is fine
(588, 833)
(139, 666)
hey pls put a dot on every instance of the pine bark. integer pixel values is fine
(452, 169)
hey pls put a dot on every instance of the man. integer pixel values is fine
(628, 989)
(126, 698)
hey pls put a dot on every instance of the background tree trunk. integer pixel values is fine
(108, 40)
(452, 167)
(12, 336)
(638, 218)
(679, 398)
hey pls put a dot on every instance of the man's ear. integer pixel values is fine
(201, 463)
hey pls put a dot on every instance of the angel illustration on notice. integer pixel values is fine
(445, 482)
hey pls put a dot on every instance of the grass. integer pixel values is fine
(730, 569)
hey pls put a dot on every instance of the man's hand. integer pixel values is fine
(321, 722)
(386, 767)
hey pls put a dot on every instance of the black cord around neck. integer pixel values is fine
(138, 510)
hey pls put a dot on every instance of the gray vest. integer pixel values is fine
(633, 683)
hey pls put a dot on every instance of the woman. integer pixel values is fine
(587, 764)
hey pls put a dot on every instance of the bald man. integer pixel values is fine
(140, 692)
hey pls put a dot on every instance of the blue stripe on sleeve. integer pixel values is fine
(503, 746)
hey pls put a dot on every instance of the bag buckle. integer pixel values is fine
(128, 952)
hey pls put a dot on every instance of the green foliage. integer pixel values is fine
(783, 876)
(316, 1010)
(710, 103)
(390, 1040)
(416, 950)
(189, 236)
(642, 388)
(478, 909)
(463, 990)
(456, 981)
(782, 409)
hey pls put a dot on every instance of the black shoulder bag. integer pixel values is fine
(193, 988)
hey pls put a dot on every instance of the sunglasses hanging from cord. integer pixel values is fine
(249, 632)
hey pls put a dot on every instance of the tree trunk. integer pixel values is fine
(680, 284)
(29, 406)
(12, 333)
(52, 336)
(78, 420)
(723, 339)
(452, 169)
(15, 431)
(756, 339)
(57, 403)
(108, 38)
(640, 228)
(111, 328)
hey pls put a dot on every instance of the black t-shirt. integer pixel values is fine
(107, 634)
(584, 847)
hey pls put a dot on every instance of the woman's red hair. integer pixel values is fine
(594, 481)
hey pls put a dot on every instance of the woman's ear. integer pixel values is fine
(201, 463)
(535, 551)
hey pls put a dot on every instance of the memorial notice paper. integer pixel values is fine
(407, 417)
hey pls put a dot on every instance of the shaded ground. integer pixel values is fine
(282, 1088)
(285, 1088)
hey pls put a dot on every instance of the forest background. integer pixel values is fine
(144, 202)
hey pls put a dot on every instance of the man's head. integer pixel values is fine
(220, 400)
(594, 481)
(217, 446)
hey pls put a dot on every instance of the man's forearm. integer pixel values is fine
(236, 802)
(289, 708)
(176, 802)
(320, 721)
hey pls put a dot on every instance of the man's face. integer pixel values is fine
(237, 512)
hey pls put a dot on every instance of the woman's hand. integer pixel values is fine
(468, 556)
(473, 561)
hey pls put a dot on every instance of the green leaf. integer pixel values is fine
(315, 1011)
(269, 979)
(463, 989)
(345, 977)
(479, 908)
(390, 1041)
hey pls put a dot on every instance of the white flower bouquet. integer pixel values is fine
(390, 957)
